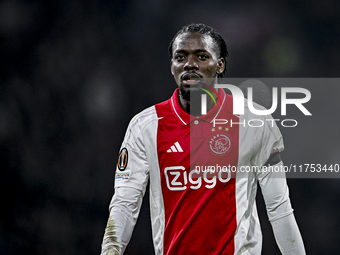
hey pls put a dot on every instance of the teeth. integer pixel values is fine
(191, 82)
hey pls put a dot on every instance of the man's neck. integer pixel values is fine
(193, 106)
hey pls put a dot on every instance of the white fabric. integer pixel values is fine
(124, 210)
(255, 147)
(280, 213)
(287, 235)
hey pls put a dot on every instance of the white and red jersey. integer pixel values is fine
(194, 211)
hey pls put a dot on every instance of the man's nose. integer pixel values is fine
(191, 63)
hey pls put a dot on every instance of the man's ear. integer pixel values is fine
(220, 65)
(172, 71)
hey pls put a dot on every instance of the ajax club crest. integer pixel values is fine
(220, 144)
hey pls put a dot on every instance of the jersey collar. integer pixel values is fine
(184, 118)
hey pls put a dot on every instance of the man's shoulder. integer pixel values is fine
(249, 114)
(146, 116)
(149, 114)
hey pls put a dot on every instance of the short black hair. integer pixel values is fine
(206, 30)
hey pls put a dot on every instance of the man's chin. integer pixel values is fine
(190, 92)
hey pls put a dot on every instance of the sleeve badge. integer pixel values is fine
(122, 159)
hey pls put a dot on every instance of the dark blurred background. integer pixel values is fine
(73, 73)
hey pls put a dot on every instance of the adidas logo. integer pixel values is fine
(175, 148)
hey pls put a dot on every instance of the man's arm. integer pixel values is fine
(287, 235)
(124, 209)
(131, 178)
(280, 213)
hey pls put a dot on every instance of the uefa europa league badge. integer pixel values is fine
(122, 159)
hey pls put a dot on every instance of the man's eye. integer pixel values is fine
(203, 57)
(179, 57)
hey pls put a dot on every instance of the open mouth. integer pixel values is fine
(191, 82)
(190, 76)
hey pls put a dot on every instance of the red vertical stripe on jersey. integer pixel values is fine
(200, 208)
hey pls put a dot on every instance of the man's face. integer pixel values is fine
(195, 56)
